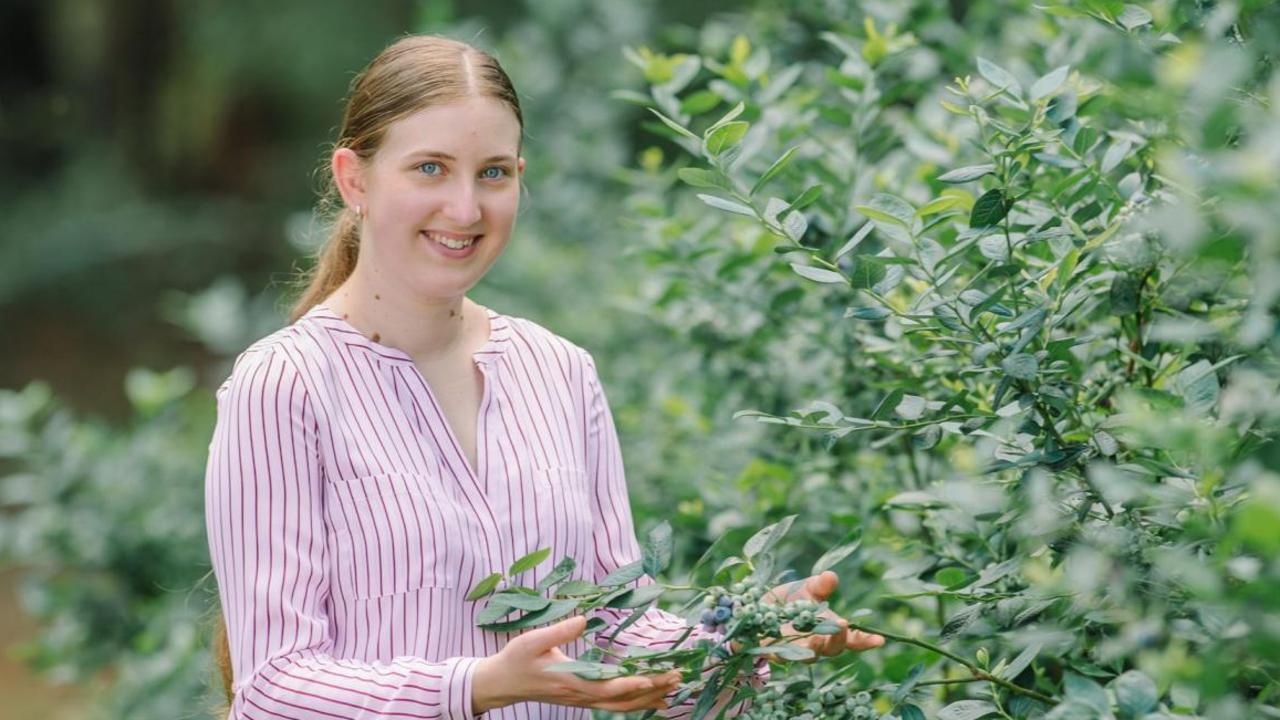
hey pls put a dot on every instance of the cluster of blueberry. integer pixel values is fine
(807, 703)
(742, 602)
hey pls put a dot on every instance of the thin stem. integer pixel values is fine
(977, 671)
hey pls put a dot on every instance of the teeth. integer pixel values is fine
(451, 242)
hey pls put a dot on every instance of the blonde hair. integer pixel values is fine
(411, 74)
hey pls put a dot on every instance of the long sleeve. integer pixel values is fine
(616, 545)
(264, 511)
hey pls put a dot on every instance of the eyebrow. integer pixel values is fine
(447, 156)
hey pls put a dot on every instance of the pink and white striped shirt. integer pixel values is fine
(346, 526)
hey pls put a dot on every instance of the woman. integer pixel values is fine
(397, 442)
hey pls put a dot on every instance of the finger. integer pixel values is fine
(561, 633)
(836, 643)
(859, 640)
(819, 587)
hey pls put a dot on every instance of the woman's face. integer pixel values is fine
(446, 175)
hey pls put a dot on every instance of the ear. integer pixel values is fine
(520, 166)
(348, 175)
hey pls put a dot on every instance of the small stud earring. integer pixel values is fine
(360, 211)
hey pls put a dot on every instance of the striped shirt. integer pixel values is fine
(346, 526)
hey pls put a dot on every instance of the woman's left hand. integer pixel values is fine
(818, 588)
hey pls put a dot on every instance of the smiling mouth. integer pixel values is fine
(452, 241)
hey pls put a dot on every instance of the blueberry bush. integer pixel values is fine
(1009, 317)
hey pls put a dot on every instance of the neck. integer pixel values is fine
(427, 329)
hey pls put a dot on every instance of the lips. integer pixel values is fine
(451, 240)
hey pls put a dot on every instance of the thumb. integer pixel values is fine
(561, 633)
(822, 585)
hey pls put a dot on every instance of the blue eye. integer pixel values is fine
(501, 172)
(424, 168)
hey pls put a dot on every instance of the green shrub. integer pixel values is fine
(1020, 311)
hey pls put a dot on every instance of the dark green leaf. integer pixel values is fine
(554, 611)
(623, 575)
(1021, 366)
(558, 573)
(989, 209)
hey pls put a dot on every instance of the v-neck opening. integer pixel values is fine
(482, 358)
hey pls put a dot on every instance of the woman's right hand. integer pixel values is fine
(517, 674)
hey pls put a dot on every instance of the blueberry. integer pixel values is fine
(721, 614)
(726, 601)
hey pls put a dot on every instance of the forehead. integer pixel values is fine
(475, 127)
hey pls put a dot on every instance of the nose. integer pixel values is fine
(462, 207)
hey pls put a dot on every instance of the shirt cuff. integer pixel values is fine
(456, 688)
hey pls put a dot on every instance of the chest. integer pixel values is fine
(458, 388)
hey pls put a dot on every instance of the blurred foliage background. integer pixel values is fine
(158, 202)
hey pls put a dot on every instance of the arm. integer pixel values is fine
(615, 544)
(264, 512)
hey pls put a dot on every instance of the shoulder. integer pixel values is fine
(530, 336)
(272, 361)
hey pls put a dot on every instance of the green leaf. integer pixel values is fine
(998, 76)
(636, 597)
(784, 651)
(1020, 663)
(577, 588)
(807, 198)
(832, 557)
(778, 166)
(911, 712)
(728, 117)
(967, 710)
(492, 613)
(519, 601)
(1133, 17)
(966, 174)
(856, 240)
(868, 313)
(726, 137)
(908, 684)
(1124, 295)
(555, 610)
(529, 561)
(989, 209)
(1115, 155)
(939, 205)
(720, 203)
(888, 208)
(680, 129)
(767, 537)
(1136, 693)
(1021, 366)
(1086, 692)
(1049, 83)
(698, 177)
(657, 549)
(818, 274)
(911, 407)
(623, 575)
(867, 271)
(558, 573)
(1198, 386)
(485, 586)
